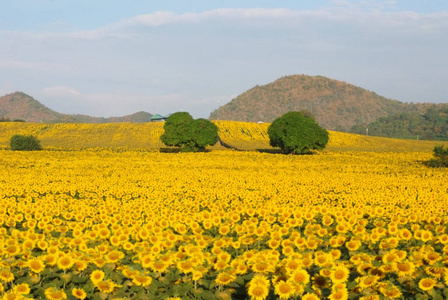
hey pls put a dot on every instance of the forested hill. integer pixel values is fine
(20, 106)
(336, 105)
(432, 125)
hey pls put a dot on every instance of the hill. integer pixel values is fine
(336, 105)
(20, 106)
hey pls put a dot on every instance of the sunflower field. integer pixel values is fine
(125, 223)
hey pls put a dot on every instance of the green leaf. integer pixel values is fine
(208, 295)
(240, 280)
(352, 285)
(79, 279)
(205, 283)
(445, 292)
(421, 297)
(435, 295)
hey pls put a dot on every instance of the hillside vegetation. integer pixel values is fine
(244, 136)
(335, 104)
(432, 125)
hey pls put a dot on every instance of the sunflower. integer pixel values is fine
(406, 268)
(240, 268)
(42, 245)
(225, 278)
(320, 281)
(339, 294)
(97, 276)
(427, 283)
(367, 281)
(11, 295)
(339, 274)
(323, 260)
(261, 267)
(309, 296)
(81, 265)
(187, 266)
(6, 275)
(353, 245)
(284, 289)
(259, 279)
(325, 272)
(79, 293)
(336, 253)
(141, 280)
(391, 292)
(36, 265)
(435, 272)
(106, 286)
(65, 262)
(159, 266)
(51, 259)
(405, 234)
(28, 244)
(114, 256)
(432, 258)
(426, 235)
(258, 292)
(54, 294)
(13, 250)
(23, 289)
(219, 265)
(300, 276)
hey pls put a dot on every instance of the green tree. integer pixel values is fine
(177, 129)
(440, 157)
(297, 133)
(191, 135)
(24, 142)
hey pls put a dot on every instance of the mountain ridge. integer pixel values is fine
(336, 105)
(20, 106)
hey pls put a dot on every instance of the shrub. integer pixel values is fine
(440, 157)
(191, 135)
(297, 133)
(25, 142)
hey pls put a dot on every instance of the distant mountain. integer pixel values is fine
(20, 106)
(336, 105)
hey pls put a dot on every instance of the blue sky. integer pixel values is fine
(112, 58)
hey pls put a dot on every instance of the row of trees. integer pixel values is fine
(3, 119)
(294, 132)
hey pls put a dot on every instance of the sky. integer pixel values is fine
(113, 58)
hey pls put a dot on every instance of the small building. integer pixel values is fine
(158, 118)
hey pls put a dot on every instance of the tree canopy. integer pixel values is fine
(297, 133)
(191, 135)
(25, 143)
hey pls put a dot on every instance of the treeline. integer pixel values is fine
(3, 119)
(432, 125)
